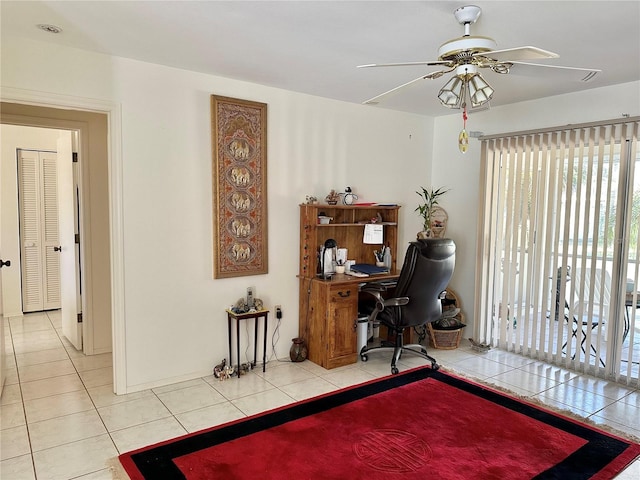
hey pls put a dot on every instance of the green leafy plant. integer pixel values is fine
(430, 200)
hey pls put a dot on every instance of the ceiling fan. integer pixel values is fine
(468, 54)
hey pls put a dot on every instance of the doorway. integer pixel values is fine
(94, 229)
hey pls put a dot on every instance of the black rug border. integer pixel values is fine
(599, 450)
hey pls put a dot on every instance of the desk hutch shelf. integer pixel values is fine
(329, 308)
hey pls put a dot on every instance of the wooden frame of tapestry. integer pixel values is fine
(239, 171)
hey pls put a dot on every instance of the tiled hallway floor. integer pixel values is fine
(60, 419)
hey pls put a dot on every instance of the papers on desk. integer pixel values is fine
(372, 234)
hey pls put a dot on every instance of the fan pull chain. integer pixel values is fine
(463, 138)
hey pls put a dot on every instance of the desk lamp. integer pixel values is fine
(329, 243)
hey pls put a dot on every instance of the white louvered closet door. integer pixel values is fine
(38, 193)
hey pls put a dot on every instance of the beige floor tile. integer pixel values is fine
(18, 468)
(209, 416)
(66, 429)
(239, 387)
(309, 388)
(14, 442)
(284, 374)
(74, 459)
(11, 394)
(97, 377)
(134, 412)
(43, 356)
(12, 415)
(348, 377)
(262, 401)
(46, 370)
(575, 399)
(530, 383)
(191, 398)
(53, 406)
(51, 386)
(92, 362)
(103, 396)
(149, 433)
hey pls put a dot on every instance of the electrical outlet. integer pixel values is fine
(250, 296)
(278, 311)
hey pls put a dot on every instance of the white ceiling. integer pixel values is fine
(314, 46)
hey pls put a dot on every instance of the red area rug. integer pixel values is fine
(416, 425)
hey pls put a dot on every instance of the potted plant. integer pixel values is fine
(430, 200)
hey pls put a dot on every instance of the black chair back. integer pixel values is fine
(426, 272)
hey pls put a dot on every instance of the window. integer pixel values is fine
(560, 249)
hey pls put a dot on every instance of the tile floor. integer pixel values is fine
(60, 419)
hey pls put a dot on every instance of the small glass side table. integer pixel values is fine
(245, 316)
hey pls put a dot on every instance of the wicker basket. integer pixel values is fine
(444, 339)
(448, 339)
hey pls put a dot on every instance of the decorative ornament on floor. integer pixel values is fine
(222, 370)
(298, 351)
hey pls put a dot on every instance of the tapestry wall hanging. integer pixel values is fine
(239, 145)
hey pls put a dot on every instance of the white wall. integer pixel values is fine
(174, 311)
(461, 172)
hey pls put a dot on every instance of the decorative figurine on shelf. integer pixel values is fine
(348, 197)
(240, 306)
(311, 200)
(332, 198)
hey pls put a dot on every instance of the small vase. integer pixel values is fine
(298, 351)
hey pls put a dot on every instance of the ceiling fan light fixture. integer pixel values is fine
(480, 92)
(451, 94)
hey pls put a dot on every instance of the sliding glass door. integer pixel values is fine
(558, 275)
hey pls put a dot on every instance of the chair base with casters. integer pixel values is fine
(415, 300)
(398, 349)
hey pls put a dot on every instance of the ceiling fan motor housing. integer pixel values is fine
(469, 45)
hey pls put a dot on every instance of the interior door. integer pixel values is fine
(71, 326)
(39, 230)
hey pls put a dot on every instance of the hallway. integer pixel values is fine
(61, 421)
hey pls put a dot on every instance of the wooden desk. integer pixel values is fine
(329, 315)
(244, 316)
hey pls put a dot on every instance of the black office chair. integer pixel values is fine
(428, 266)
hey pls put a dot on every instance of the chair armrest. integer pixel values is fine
(372, 287)
(396, 302)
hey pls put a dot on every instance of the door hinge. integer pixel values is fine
(79, 318)
(77, 238)
(74, 157)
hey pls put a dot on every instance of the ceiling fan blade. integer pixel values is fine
(404, 64)
(553, 71)
(518, 53)
(374, 100)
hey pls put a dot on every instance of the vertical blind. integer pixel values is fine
(559, 250)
